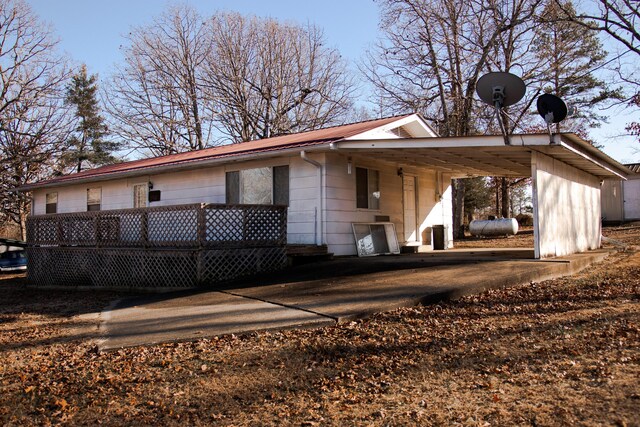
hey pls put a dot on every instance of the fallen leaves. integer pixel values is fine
(564, 351)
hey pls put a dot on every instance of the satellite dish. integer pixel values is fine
(551, 108)
(500, 89)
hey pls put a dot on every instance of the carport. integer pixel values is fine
(566, 171)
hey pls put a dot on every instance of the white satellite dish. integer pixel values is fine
(500, 90)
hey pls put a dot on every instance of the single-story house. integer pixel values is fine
(394, 170)
(621, 199)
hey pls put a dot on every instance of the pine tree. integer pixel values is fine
(571, 53)
(87, 146)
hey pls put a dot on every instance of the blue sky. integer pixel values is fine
(91, 32)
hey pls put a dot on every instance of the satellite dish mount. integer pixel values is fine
(500, 90)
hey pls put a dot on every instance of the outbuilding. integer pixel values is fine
(621, 199)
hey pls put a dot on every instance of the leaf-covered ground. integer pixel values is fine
(559, 352)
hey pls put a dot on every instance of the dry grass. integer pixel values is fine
(560, 352)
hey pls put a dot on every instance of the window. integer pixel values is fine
(51, 206)
(260, 186)
(140, 195)
(281, 185)
(94, 199)
(367, 189)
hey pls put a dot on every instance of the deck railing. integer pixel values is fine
(180, 226)
(161, 247)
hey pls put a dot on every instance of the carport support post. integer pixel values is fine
(536, 213)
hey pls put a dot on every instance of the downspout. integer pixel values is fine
(319, 218)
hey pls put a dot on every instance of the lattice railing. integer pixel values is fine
(132, 268)
(179, 226)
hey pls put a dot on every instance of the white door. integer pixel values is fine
(631, 199)
(410, 213)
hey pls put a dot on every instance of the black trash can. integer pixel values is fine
(439, 237)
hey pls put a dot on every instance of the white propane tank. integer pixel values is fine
(493, 227)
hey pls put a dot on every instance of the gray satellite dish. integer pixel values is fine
(500, 89)
(551, 108)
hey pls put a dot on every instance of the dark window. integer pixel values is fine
(233, 188)
(51, 205)
(367, 189)
(281, 185)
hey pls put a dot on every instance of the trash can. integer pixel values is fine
(439, 237)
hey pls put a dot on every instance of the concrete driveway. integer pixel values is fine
(325, 293)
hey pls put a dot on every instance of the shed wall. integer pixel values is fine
(612, 201)
(567, 204)
(631, 192)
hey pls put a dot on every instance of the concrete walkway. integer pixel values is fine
(324, 293)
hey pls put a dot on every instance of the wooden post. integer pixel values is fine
(145, 228)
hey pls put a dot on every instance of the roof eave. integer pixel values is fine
(179, 166)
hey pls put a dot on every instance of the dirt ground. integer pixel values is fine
(559, 352)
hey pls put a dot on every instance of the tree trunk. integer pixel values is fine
(504, 184)
(458, 208)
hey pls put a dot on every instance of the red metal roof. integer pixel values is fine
(303, 139)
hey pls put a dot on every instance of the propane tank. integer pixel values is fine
(493, 227)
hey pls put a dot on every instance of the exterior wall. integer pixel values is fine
(341, 208)
(631, 193)
(337, 206)
(612, 201)
(206, 185)
(567, 208)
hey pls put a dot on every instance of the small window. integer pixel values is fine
(367, 189)
(94, 199)
(51, 206)
(140, 195)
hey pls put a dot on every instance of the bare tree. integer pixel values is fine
(30, 145)
(620, 20)
(270, 78)
(156, 97)
(432, 55)
(28, 66)
(33, 123)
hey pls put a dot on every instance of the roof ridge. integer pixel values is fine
(253, 140)
(335, 126)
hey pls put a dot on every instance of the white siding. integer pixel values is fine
(632, 198)
(341, 200)
(207, 185)
(567, 206)
(612, 200)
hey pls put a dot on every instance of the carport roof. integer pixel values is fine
(488, 155)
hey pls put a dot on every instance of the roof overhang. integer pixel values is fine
(175, 167)
(488, 155)
(456, 156)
